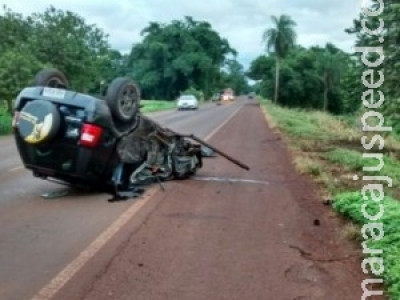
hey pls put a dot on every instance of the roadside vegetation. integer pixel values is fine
(5, 121)
(183, 56)
(156, 105)
(326, 78)
(349, 205)
(313, 82)
(147, 106)
(170, 59)
(327, 148)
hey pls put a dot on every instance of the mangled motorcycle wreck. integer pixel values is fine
(105, 144)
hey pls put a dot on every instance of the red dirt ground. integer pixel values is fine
(218, 240)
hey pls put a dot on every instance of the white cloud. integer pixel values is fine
(242, 22)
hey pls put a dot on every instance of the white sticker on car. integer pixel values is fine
(53, 93)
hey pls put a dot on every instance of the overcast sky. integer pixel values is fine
(242, 22)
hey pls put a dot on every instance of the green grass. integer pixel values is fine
(349, 158)
(354, 160)
(349, 204)
(327, 148)
(305, 165)
(305, 124)
(5, 122)
(156, 105)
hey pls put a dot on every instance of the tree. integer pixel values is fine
(58, 39)
(110, 65)
(351, 86)
(64, 40)
(15, 30)
(176, 56)
(330, 63)
(280, 40)
(17, 63)
(17, 70)
(306, 77)
(389, 40)
(259, 67)
(261, 70)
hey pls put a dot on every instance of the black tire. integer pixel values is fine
(39, 122)
(50, 78)
(123, 98)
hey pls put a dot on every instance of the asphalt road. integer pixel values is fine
(38, 237)
(225, 234)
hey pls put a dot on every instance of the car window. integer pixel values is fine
(187, 97)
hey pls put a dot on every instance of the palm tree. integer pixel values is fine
(280, 40)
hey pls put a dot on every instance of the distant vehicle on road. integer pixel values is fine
(226, 96)
(187, 102)
(251, 95)
(215, 97)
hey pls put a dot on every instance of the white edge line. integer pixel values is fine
(71, 269)
(15, 169)
(58, 282)
(230, 180)
(223, 124)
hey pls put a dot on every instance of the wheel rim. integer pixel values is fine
(127, 101)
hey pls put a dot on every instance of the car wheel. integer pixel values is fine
(39, 122)
(50, 78)
(123, 97)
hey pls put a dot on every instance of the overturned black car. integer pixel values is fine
(105, 144)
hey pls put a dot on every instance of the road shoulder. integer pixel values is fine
(230, 239)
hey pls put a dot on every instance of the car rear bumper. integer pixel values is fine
(77, 165)
(187, 107)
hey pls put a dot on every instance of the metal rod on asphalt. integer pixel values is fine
(228, 157)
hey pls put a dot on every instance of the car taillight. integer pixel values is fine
(15, 120)
(90, 135)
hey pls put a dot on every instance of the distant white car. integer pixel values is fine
(187, 102)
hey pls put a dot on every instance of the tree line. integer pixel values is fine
(295, 76)
(184, 54)
(54, 38)
(171, 58)
(190, 55)
(327, 78)
(387, 27)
